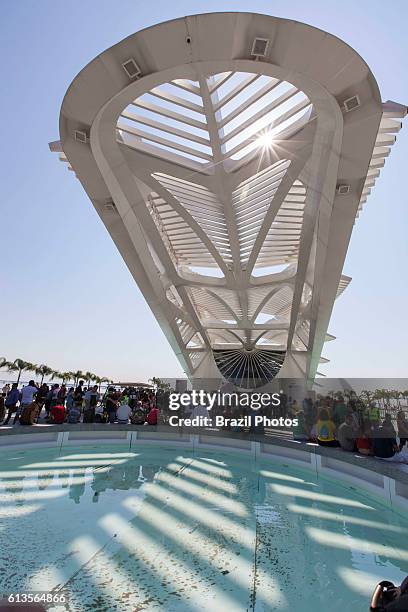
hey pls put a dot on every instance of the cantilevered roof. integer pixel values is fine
(229, 155)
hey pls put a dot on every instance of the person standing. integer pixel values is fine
(388, 426)
(48, 402)
(79, 394)
(70, 399)
(42, 392)
(339, 412)
(10, 403)
(62, 394)
(54, 398)
(374, 414)
(132, 398)
(27, 397)
(111, 404)
(2, 408)
(402, 424)
(28, 393)
(41, 397)
(91, 399)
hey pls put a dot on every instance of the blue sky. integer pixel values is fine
(68, 299)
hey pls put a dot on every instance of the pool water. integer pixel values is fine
(171, 530)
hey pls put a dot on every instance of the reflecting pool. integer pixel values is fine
(171, 530)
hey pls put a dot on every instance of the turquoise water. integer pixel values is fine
(165, 529)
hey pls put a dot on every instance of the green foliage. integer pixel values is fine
(19, 365)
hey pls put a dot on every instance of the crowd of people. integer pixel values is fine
(327, 421)
(354, 427)
(351, 425)
(58, 404)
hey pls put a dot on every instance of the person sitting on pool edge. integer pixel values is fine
(124, 412)
(299, 431)
(325, 430)
(57, 414)
(364, 441)
(385, 446)
(138, 417)
(347, 434)
(73, 414)
(153, 416)
(29, 414)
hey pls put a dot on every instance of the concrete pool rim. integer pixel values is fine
(385, 481)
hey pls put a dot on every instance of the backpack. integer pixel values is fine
(73, 416)
(324, 432)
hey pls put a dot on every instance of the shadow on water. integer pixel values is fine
(169, 530)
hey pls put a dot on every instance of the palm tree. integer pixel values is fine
(88, 377)
(366, 397)
(379, 397)
(78, 375)
(56, 374)
(63, 376)
(387, 397)
(99, 380)
(159, 384)
(71, 376)
(19, 365)
(43, 370)
(66, 376)
(397, 395)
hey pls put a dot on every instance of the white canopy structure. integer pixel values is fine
(228, 155)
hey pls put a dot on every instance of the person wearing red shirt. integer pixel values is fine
(153, 416)
(57, 414)
(364, 442)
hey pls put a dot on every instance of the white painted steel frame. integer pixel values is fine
(180, 152)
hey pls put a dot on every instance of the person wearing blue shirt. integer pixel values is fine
(13, 396)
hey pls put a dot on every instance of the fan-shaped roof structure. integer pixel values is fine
(228, 155)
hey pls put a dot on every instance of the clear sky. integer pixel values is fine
(68, 299)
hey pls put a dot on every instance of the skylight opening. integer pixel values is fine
(245, 94)
(266, 341)
(175, 108)
(253, 108)
(182, 93)
(275, 269)
(171, 137)
(205, 271)
(263, 317)
(293, 120)
(133, 141)
(268, 122)
(174, 123)
(224, 89)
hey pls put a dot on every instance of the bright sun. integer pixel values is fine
(265, 140)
